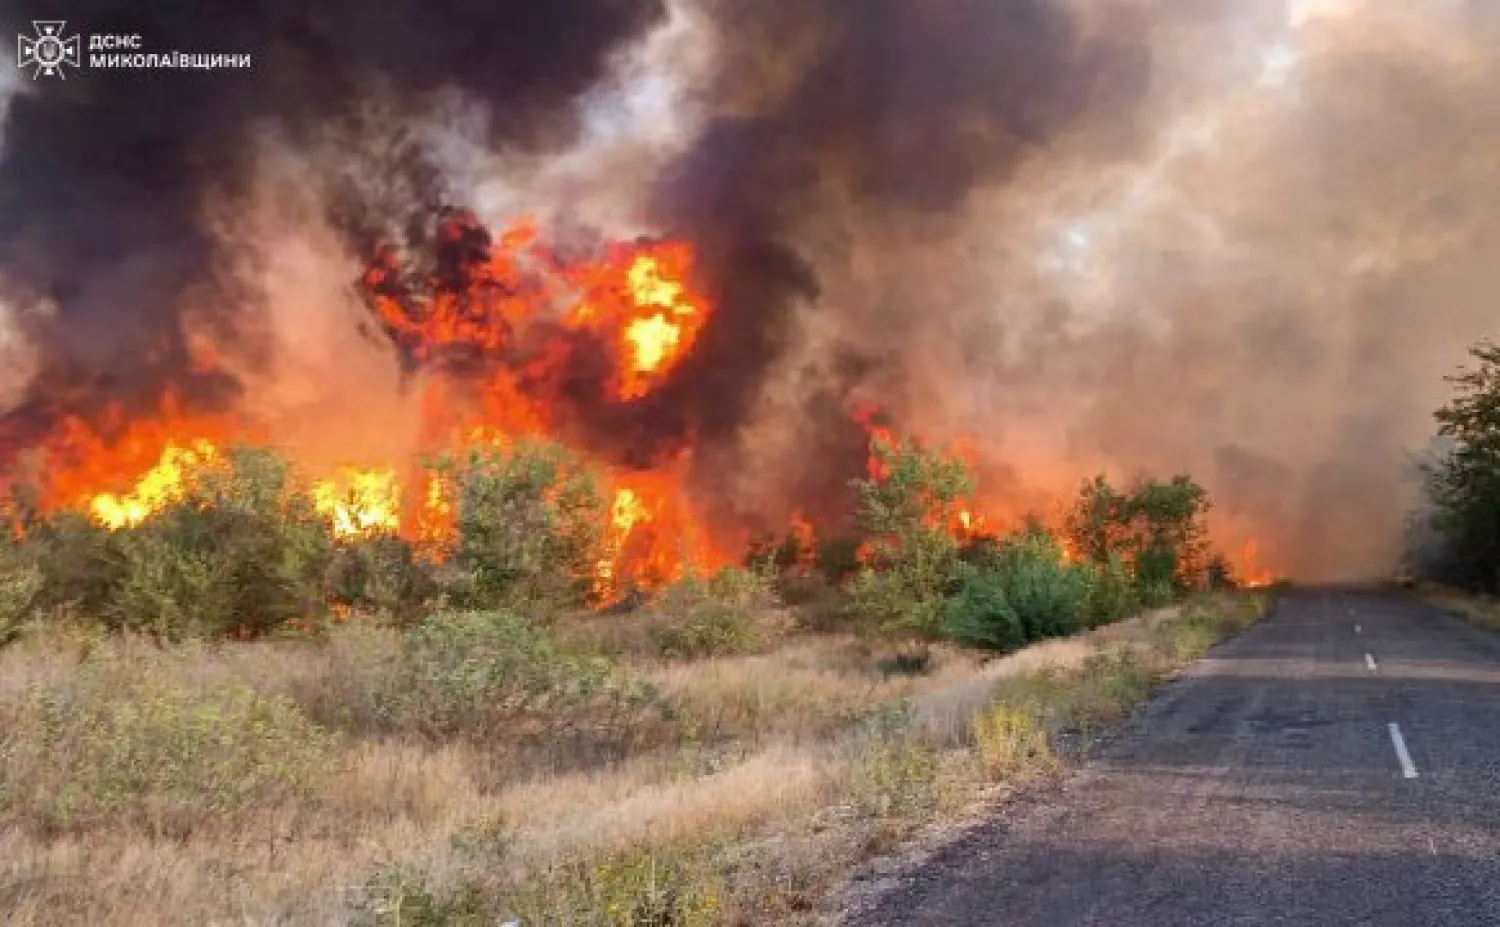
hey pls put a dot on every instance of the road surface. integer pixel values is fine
(1339, 763)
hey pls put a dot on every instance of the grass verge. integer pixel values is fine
(379, 778)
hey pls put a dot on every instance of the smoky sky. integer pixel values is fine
(902, 107)
(1244, 241)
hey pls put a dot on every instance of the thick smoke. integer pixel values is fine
(834, 120)
(107, 177)
(1108, 247)
(1241, 240)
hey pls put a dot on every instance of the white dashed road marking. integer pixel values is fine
(1408, 769)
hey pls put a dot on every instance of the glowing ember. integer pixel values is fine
(360, 503)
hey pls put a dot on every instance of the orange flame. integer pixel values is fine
(510, 311)
(360, 503)
(1249, 569)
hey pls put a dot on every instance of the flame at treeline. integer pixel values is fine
(505, 339)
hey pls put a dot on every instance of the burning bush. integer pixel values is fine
(242, 550)
(1158, 527)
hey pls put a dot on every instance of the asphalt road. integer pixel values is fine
(1265, 786)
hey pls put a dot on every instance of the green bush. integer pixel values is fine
(1047, 593)
(981, 614)
(399, 897)
(1463, 480)
(905, 511)
(80, 563)
(1112, 593)
(1012, 741)
(531, 530)
(242, 551)
(490, 675)
(894, 774)
(1158, 593)
(711, 617)
(126, 741)
(21, 583)
(381, 576)
(643, 886)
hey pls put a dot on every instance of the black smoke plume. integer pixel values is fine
(104, 175)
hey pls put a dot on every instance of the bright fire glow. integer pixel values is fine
(506, 331)
(1249, 570)
(158, 487)
(360, 503)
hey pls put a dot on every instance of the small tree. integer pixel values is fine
(1097, 524)
(1158, 527)
(912, 558)
(1463, 481)
(531, 529)
(1170, 536)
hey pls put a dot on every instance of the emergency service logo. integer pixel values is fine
(49, 50)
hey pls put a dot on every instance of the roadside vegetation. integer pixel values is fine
(1455, 538)
(226, 713)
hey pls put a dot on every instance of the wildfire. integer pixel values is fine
(160, 485)
(1251, 573)
(507, 331)
(642, 299)
(360, 503)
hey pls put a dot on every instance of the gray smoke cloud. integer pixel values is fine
(1258, 274)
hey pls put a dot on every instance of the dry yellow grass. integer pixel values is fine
(768, 743)
(1481, 610)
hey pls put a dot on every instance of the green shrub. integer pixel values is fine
(1107, 687)
(381, 576)
(80, 562)
(981, 615)
(1013, 741)
(491, 675)
(21, 583)
(904, 512)
(1048, 594)
(1158, 593)
(641, 887)
(531, 529)
(125, 741)
(894, 774)
(711, 617)
(400, 897)
(1112, 593)
(1462, 481)
(242, 551)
